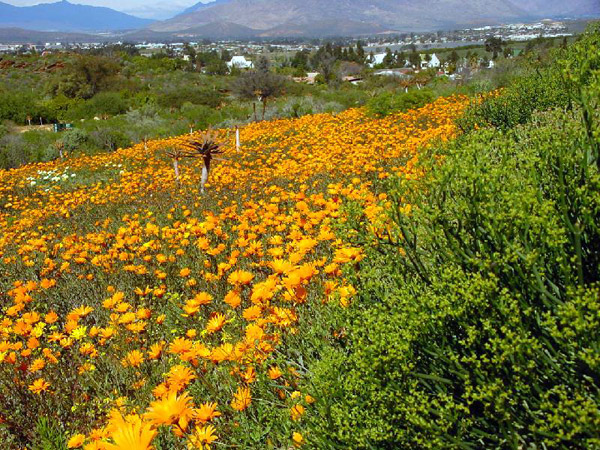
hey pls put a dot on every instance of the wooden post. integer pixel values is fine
(205, 172)
(176, 167)
(237, 139)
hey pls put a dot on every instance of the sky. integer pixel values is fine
(150, 9)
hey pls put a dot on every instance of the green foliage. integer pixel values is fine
(31, 146)
(260, 84)
(548, 84)
(474, 326)
(101, 104)
(109, 139)
(17, 106)
(176, 97)
(49, 436)
(85, 77)
(74, 139)
(385, 103)
(477, 313)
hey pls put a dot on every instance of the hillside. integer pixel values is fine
(347, 17)
(65, 16)
(405, 15)
(559, 8)
(117, 255)
(20, 35)
(338, 281)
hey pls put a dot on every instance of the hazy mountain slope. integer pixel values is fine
(393, 14)
(198, 6)
(552, 8)
(21, 36)
(221, 30)
(65, 16)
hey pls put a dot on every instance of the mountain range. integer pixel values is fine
(269, 18)
(294, 18)
(65, 16)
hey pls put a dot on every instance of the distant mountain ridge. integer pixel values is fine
(67, 17)
(246, 19)
(200, 5)
(348, 17)
(556, 8)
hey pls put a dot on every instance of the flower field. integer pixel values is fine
(137, 313)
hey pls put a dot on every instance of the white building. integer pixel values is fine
(377, 59)
(434, 63)
(240, 62)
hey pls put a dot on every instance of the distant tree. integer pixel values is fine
(190, 52)
(327, 67)
(300, 60)
(262, 64)
(226, 55)
(217, 67)
(485, 62)
(360, 52)
(85, 77)
(453, 58)
(507, 52)
(400, 59)
(414, 59)
(388, 60)
(473, 59)
(351, 54)
(422, 78)
(260, 84)
(494, 45)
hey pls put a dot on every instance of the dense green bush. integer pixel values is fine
(387, 103)
(545, 85)
(101, 104)
(17, 106)
(477, 316)
(476, 323)
(74, 139)
(176, 97)
(22, 148)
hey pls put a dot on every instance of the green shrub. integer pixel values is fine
(544, 86)
(74, 139)
(387, 103)
(49, 436)
(476, 322)
(477, 315)
(176, 98)
(109, 139)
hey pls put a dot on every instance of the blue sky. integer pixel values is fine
(152, 9)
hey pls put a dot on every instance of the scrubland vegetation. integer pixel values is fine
(418, 273)
(115, 98)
